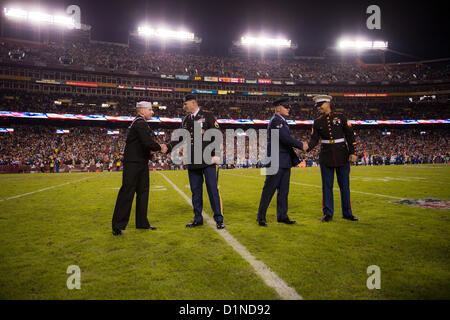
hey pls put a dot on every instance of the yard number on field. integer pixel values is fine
(74, 280)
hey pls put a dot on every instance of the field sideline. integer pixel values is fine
(51, 221)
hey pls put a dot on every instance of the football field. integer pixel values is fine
(49, 222)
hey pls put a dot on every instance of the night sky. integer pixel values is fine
(416, 28)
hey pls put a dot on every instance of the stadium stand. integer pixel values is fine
(95, 78)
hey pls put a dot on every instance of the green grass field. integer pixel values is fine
(42, 233)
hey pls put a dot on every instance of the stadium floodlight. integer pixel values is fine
(15, 13)
(265, 42)
(164, 33)
(39, 17)
(362, 44)
(64, 21)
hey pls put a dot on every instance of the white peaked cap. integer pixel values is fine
(322, 98)
(143, 104)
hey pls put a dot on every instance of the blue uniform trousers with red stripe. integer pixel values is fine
(343, 178)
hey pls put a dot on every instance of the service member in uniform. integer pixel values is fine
(287, 160)
(201, 171)
(337, 151)
(135, 179)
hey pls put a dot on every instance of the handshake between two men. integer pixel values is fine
(165, 149)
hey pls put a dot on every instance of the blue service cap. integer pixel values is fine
(189, 97)
(282, 102)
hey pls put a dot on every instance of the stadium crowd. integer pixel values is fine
(116, 57)
(40, 148)
(16, 100)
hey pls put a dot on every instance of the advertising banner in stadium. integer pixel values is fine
(254, 93)
(204, 91)
(167, 76)
(6, 130)
(182, 77)
(120, 86)
(251, 81)
(212, 79)
(366, 94)
(82, 84)
(291, 94)
(198, 78)
(160, 89)
(232, 80)
(62, 131)
(113, 132)
(289, 83)
(47, 81)
(225, 91)
(276, 82)
(264, 81)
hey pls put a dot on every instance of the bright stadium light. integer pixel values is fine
(64, 21)
(39, 17)
(164, 33)
(362, 44)
(15, 13)
(265, 42)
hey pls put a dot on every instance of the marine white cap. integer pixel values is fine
(322, 98)
(143, 104)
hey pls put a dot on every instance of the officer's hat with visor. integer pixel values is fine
(282, 102)
(320, 99)
(188, 98)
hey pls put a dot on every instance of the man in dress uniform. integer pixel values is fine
(337, 151)
(135, 179)
(198, 171)
(287, 159)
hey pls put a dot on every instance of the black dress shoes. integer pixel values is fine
(116, 232)
(351, 218)
(194, 224)
(149, 227)
(220, 225)
(262, 223)
(287, 221)
(326, 218)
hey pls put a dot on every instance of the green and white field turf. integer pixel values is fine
(51, 221)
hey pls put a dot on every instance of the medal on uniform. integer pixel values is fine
(336, 121)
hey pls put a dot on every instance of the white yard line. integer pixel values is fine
(316, 186)
(40, 190)
(269, 277)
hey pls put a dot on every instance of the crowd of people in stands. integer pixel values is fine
(41, 149)
(115, 58)
(16, 100)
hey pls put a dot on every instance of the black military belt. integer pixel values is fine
(333, 141)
